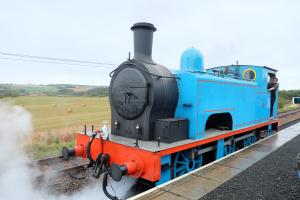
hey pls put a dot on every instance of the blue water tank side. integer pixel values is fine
(192, 60)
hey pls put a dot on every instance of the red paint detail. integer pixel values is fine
(214, 138)
(131, 167)
(134, 167)
(142, 163)
(79, 150)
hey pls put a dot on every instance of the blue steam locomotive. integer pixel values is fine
(167, 123)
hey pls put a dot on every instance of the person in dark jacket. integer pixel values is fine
(272, 88)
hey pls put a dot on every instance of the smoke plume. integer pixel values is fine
(16, 177)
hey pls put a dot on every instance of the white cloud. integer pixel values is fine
(253, 32)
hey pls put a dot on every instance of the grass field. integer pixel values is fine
(288, 107)
(56, 119)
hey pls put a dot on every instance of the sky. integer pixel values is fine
(256, 32)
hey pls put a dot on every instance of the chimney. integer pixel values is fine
(143, 38)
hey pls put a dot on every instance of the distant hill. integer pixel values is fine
(14, 90)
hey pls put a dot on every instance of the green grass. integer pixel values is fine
(51, 113)
(56, 119)
(42, 150)
(288, 107)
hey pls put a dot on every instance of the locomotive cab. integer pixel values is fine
(222, 98)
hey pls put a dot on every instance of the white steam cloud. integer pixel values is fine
(16, 177)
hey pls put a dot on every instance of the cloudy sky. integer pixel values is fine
(253, 32)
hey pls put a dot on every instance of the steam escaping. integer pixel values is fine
(15, 126)
(16, 177)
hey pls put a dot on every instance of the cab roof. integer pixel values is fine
(269, 68)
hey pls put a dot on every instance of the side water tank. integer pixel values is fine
(192, 60)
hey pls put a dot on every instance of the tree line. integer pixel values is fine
(12, 90)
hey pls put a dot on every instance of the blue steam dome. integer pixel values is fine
(192, 60)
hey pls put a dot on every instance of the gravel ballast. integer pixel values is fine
(273, 177)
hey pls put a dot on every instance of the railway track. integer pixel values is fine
(70, 176)
(289, 118)
(52, 171)
(56, 163)
(289, 112)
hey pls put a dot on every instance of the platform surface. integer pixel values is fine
(208, 181)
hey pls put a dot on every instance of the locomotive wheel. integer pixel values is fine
(250, 140)
(185, 162)
(228, 149)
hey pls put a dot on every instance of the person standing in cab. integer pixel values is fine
(272, 88)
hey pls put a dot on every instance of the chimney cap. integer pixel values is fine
(144, 25)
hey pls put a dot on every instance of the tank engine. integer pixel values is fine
(165, 124)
